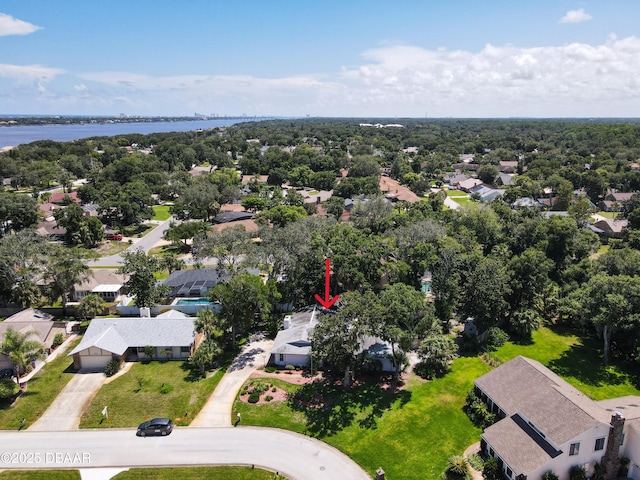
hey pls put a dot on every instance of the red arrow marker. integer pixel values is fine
(327, 301)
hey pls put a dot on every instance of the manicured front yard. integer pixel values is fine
(198, 473)
(183, 473)
(40, 475)
(42, 389)
(161, 212)
(147, 390)
(412, 434)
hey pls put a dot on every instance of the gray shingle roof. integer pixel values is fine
(296, 338)
(556, 408)
(117, 334)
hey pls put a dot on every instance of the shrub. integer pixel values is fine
(112, 367)
(475, 460)
(57, 340)
(577, 472)
(289, 367)
(149, 351)
(491, 469)
(549, 475)
(8, 388)
(165, 388)
(254, 397)
(477, 411)
(457, 468)
(273, 389)
(270, 369)
(268, 398)
(496, 337)
(600, 470)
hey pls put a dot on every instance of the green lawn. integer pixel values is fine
(579, 362)
(130, 403)
(198, 473)
(40, 475)
(461, 200)
(419, 427)
(412, 434)
(42, 389)
(161, 212)
(183, 473)
(456, 193)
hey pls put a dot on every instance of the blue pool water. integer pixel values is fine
(193, 301)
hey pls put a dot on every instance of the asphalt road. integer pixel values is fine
(296, 456)
(145, 243)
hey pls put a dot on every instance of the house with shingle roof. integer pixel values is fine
(545, 424)
(172, 335)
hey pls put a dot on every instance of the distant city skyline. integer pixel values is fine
(408, 58)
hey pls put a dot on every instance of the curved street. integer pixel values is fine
(296, 456)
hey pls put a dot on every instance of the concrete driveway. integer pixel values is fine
(65, 411)
(217, 411)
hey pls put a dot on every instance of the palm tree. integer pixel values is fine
(209, 323)
(22, 351)
(91, 306)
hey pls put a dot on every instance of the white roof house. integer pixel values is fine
(126, 338)
(292, 345)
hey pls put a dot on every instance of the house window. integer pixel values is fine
(282, 357)
(140, 349)
(509, 473)
(599, 444)
(574, 449)
(185, 349)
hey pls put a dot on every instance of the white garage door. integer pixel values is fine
(94, 362)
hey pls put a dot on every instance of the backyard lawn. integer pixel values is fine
(413, 433)
(42, 389)
(147, 390)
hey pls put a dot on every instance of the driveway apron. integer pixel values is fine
(66, 410)
(217, 411)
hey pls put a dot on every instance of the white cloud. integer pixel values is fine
(29, 72)
(575, 16)
(13, 26)
(576, 79)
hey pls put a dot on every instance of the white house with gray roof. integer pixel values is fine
(292, 345)
(171, 333)
(548, 425)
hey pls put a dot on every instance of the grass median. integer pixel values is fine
(155, 389)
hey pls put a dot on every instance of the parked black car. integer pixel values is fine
(155, 426)
(6, 373)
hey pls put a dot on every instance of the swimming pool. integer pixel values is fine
(193, 301)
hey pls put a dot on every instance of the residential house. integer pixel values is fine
(504, 179)
(609, 228)
(545, 424)
(508, 166)
(525, 202)
(486, 194)
(194, 283)
(42, 324)
(227, 217)
(454, 180)
(171, 335)
(468, 185)
(106, 283)
(292, 345)
(613, 202)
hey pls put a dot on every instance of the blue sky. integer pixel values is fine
(400, 58)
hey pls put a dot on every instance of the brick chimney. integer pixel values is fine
(611, 459)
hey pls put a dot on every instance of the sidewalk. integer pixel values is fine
(218, 409)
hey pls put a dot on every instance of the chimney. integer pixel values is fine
(287, 321)
(611, 459)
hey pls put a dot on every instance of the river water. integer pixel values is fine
(12, 136)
